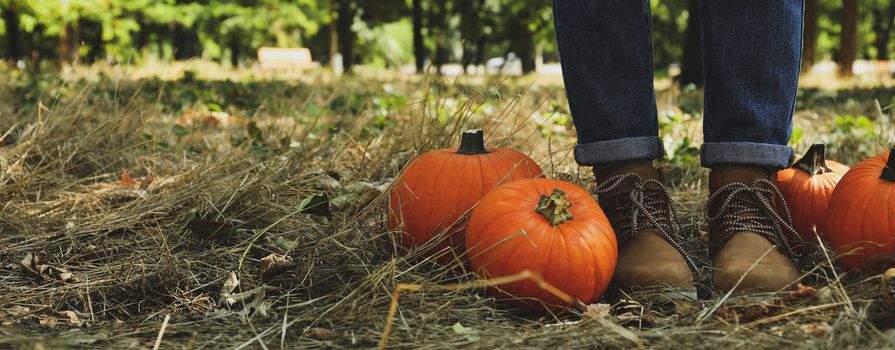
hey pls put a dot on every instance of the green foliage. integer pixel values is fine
(461, 30)
(855, 136)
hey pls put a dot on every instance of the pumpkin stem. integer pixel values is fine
(814, 162)
(555, 208)
(889, 169)
(472, 142)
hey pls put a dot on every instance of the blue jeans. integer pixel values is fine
(752, 54)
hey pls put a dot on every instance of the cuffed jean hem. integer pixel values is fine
(593, 153)
(760, 154)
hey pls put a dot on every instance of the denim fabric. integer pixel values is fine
(752, 52)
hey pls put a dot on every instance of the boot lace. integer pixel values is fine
(746, 208)
(645, 205)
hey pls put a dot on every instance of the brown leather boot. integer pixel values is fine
(748, 239)
(639, 208)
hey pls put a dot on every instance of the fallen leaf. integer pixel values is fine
(320, 333)
(16, 310)
(469, 332)
(596, 311)
(227, 290)
(800, 292)
(884, 286)
(45, 320)
(459, 328)
(7, 140)
(126, 180)
(274, 265)
(826, 295)
(146, 181)
(317, 204)
(72, 317)
(31, 265)
(326, 180)
(817, 329)
(777, 330)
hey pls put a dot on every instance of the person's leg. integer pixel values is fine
(607, 63)
(752, 53)
(606, 53)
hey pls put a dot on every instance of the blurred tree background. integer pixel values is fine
(384, 33)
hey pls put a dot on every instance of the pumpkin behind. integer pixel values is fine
(807, 187)
(437, 190)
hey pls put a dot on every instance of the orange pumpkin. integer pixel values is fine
(860, 222)
(437, 190)
(550, 227)
(807, 187)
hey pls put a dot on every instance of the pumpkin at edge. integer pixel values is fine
(437, 190)
(859, 220)
(550, 227)
(807, 187)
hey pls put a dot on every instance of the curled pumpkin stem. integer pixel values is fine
(889, 170)
(555, 208)
(814, 162)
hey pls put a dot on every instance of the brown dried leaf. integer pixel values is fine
(33, 267)
(126, 180)
(817, 329)
(274, 265)
(320, 333)
(227, 290)
(884, 286)
(686, 308)
(47, 321)
(800, 292)
(72, 317)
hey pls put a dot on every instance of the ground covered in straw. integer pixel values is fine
(189, 212)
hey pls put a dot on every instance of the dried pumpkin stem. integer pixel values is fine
(889, 170)
(472, 142)
(814, 162)
(555, 208)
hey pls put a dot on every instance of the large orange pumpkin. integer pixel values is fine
(549, 227)
(807, 187)
(437, 190)
(861, 218)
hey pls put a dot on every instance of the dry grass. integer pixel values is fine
(137, 256)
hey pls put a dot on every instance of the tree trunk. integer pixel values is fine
(883, 20)
(525, 43)
(419, 48)
(691, 63)
(809, 34)
(142, 38)
(438, 27)
(470, 30)
(346, 35)
(848, 44)
(69, 44)
(11, 21)
(234, 51)
(186, 43)
(333, 32)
